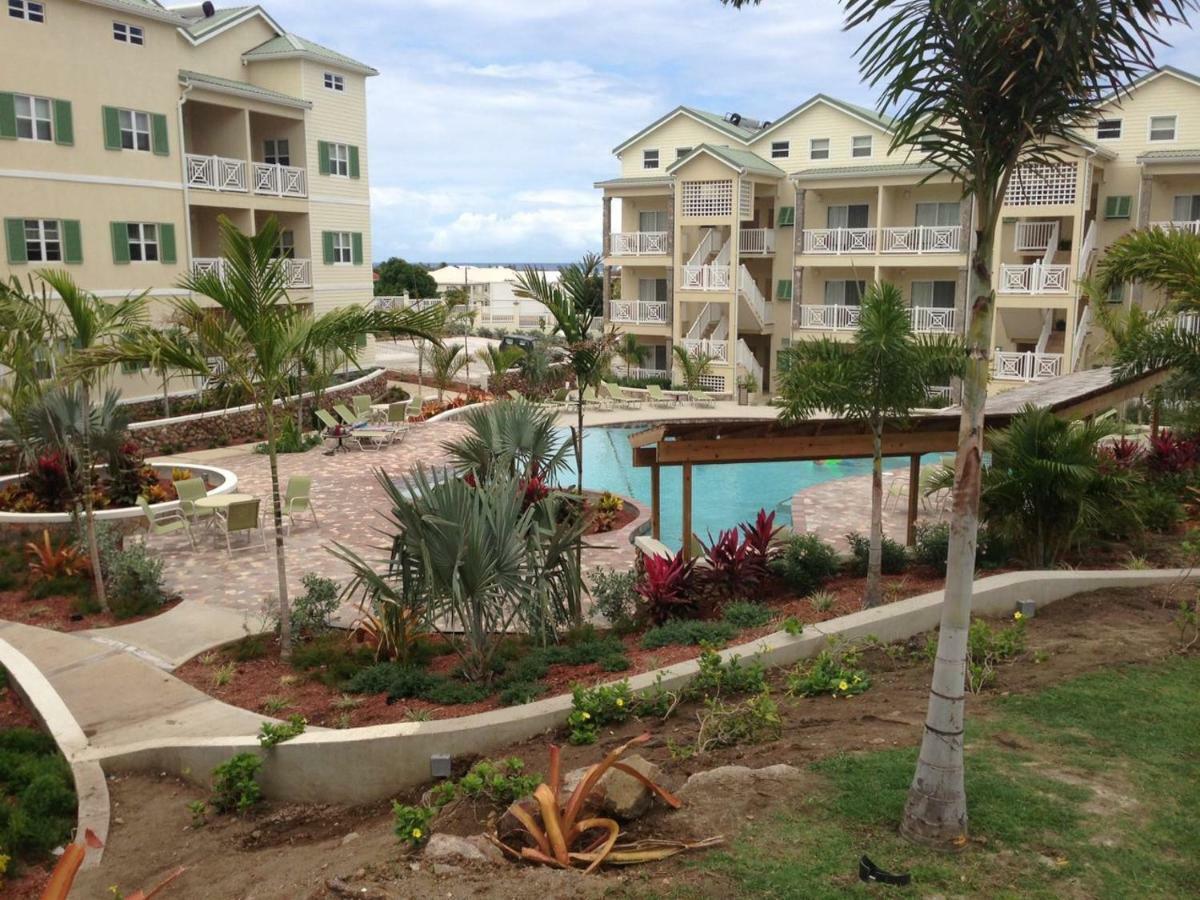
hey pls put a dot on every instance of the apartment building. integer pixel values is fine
(735, 237)
(493, 296)
(128, 128)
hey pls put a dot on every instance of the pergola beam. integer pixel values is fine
(788, 449)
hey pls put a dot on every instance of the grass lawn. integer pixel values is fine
(1089, 789)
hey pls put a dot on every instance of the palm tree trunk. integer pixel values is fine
(936, 811)
(874, 594)
(578, 611)
(89, 512)
(285, 613)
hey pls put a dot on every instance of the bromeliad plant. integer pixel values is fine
(667, 586)
(557, 830)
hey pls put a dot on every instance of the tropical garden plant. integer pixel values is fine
(517, 439)
(445, 362)
(692, 366)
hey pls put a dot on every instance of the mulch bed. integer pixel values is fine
(61, 613)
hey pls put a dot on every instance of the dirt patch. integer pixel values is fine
(300, 850)
(64, 612)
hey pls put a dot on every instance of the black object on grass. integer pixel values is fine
(868, 871)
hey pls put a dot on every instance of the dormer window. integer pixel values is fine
(649, 159)
(781, 149)
(1108, 129)
(29, 10)
(335, 82)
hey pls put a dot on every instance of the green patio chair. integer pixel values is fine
(297, 498)
(592, 399)
(514, 395)
(347, 415)
(324, 417)
(362, 404)
(657, 397)
(189, 490)
(629, 401)
(699, 398)
(242, 518)
(397, 413)
(160, 524)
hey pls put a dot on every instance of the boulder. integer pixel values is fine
(734, 778)
(450, 848)
(622, 795)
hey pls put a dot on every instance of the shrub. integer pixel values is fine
(614, 597)
(37, 799)
(503, 782)
(521, 692)
(1158, 510)
(1170, 454)
(731, 566)
(135, 582)
(987, 647)
(409, 682)
(750, 722)
(895, 555)
(48, 561)
(933, 546)
(744, 614)
(716, 678)
(313, 609)
(687, 632)
(270, 734)
(833, 671)
(806, 563)
(593, 707)
(235, 788)
(822, 601)
(411, 823)
(667, 586)
(291, 440)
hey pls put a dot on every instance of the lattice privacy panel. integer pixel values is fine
(1043, 185)
(713, 383)
(707, 198)
(745, 200)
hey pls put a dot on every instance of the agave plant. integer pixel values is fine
(556, 829)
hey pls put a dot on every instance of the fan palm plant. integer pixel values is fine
(257, 337)
(692, 365)
(979, 88)
(879, 378)
(445, 362)
(517, 439)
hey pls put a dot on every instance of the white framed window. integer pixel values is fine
(135, 129)
(1162, 128)
(129, 34)
(34, 118)
(287, 245)
(29, 10)
(938, 213)
(43, 240)
(1185, 208)
(649, 159)
(781, 149)
(681, 152)
(652, 290)
(652, 220)
(339, 160)
(938, 294)
(343, 249)
(143, 241)
(844, 293)
(818, 148)
(1108, 129)
(276, 152)
(860, 145)
(1116, 293)
(335, 82)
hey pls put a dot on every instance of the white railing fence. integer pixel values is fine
(280, 181)
(1188, 323)
(839, 240)
(648, 312)
(922, 239)
(1081, 333)
(1007, 366)
(1037, 278)
(1086, 251)
(1035, 237)
(748, 362)
(215, 173)
(1192, 225)
(828, 318)
(708, 315)
(718, 351)
(712, 277)
(748, 290)
(933, 319)
(297, 273)
(638, 243)
(706, 248)
(756, 240)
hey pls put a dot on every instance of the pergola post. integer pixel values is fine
(655, 504)
(914, 490)
(687, 508)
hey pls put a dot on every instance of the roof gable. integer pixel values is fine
(1171, 71)
(712, 120)
(291, 46)
(199, 30)
(742, 161)
(862, 114)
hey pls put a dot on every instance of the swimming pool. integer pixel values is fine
(722, 496)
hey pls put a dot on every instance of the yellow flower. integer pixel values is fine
(1017, 615)
(843, 686)
(620, 702)
(585, 716)
(416, 833)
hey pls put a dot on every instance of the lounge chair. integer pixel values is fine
(297, 498)
(699, 398)
(658, 398)
(629, 401)
(377, 436)
(561, 398)
(591, 399)
(242, 517)
(333, 426)
(160, 524)
(348, 416)
(189, 490)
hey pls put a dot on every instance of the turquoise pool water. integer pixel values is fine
(722, 496)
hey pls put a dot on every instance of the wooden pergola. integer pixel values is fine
(706, 442)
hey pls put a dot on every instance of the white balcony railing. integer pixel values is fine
(280, 181)
(939, 393)
(922, 239)
(1035, 237)
(297, 272)
(705, 278)
(1036, 278)
(933, 319)
(419, 304)
(1192, 225)
(1188, 323)
(757, 241)
(718, 351)
(839, 240)
(748, 291)
(215, 173)
(638, 243)
(1007, 366)
(827, 318)
(641, 312)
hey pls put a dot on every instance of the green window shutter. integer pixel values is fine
(158, 134)
(323, 157)
(64, 125)
(8, 117)
(166, 243)
(787, 216)
(327, 246)
(360, 341)
(784, 291)
(356, 247)
(1118, 206)
(353, 161)
(112, 129)
(120, 242)
(72, 241)
(14, 232)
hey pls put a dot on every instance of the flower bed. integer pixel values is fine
(53, 482)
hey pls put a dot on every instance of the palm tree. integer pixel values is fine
(498, 360)
(446, 362)
(879, 378)
(258, 337)
(693, 366)
(978, 88)
(460, 318)
(631, 352)
(90, 323)
(518, 439)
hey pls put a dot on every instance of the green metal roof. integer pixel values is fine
(201, 27)
(1167, 156)
(866, 171)
(716, 120)
(635, 181)
(742, 160)
(243, 88)
(1161, 70)
(287, 45)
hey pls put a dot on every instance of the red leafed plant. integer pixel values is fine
(760, 539)
(47, 561)
(1122, 453)
(535, 490)
(731, 566)
(1170, 455)
(667, 586)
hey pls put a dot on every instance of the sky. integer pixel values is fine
(491, 119)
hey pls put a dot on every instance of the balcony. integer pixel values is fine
(717, 351)
(639, 312)
(638, 243)
(756, 241)
(420, 304)
(921, 239)
(1193, 226)
(925, 319)
(297, 272)
(933, 320)
(837, 241)
(705, 278)
(1007, 366)
(221, 173)
(1037, 278)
